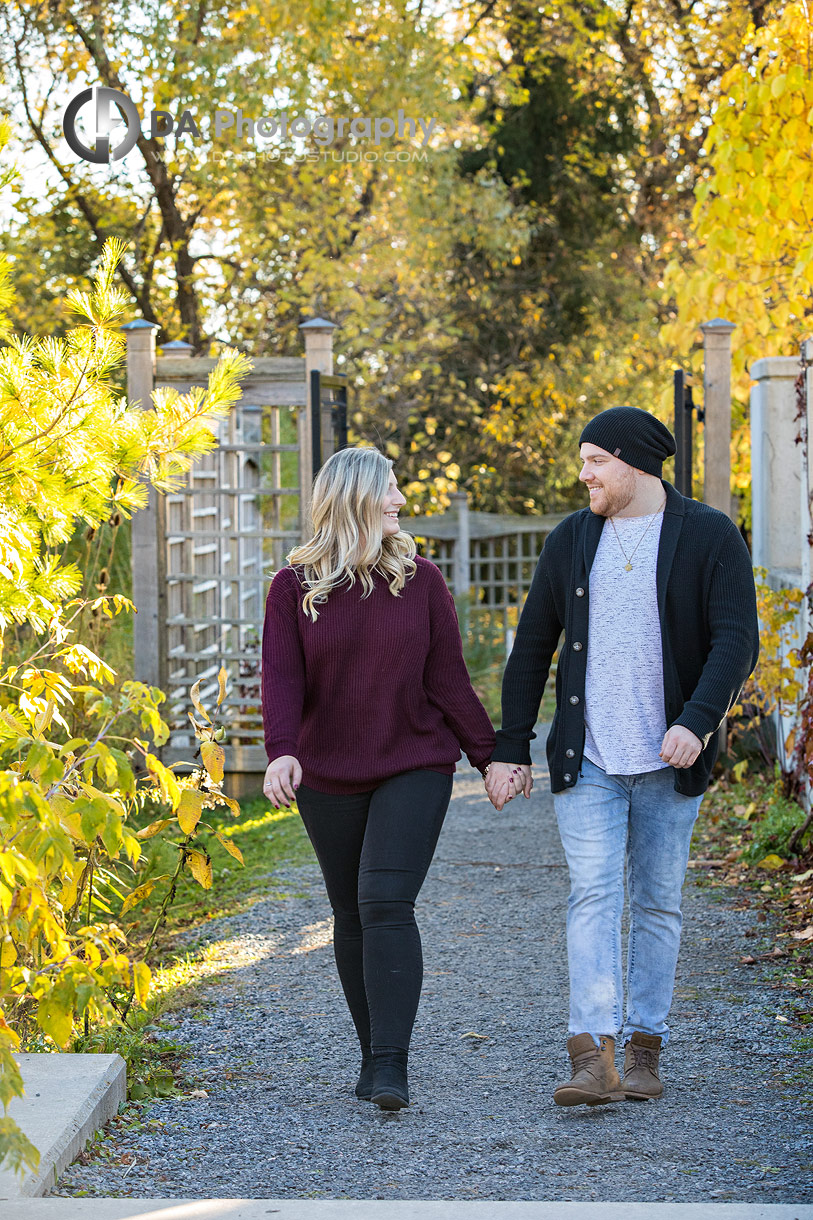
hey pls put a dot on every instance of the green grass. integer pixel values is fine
(752, 815)
(745, 826)
(152, 1062)
(483, 633)
(268, 839)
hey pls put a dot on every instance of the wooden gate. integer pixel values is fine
(203, 555)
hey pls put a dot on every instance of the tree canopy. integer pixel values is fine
(493, 288)
(749, 250)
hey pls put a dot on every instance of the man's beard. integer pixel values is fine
(616, 500)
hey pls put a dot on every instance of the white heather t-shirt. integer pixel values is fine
(624, 713)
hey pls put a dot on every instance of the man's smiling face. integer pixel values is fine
(610, 482)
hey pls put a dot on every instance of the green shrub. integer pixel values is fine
(777, 818)
(73, 452)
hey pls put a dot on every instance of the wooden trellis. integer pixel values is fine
(490, 557)
(202, 555)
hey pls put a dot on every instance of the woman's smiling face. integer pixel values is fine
(393, 500)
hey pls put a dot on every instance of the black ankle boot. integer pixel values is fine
(364, 1087)
(389, 1089)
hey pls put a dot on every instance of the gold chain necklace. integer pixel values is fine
(628, 564)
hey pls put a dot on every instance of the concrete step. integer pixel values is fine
(380, 1209)
(67, 1099)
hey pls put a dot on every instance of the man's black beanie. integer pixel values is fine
(633, 435)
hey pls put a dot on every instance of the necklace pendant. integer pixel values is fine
(627, 567)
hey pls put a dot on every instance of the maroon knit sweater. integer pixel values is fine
(376, 686)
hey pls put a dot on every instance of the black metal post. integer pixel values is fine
(683, 437)
(340, 417)
(334, 388)
(316, 421)
(684, 410)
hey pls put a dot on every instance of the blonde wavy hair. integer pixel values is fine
(346, 509)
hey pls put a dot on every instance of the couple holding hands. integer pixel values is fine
(649, 598)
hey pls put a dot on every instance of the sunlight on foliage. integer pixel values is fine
(751, 247)
(72, 770)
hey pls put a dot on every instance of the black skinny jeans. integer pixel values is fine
(374, 849)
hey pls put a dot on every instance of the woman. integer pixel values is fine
(366, 702)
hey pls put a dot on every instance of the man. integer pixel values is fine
(655, 595)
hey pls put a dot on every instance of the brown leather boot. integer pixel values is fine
(595, 1080)
(641, 1080)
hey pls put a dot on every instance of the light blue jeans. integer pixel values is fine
(606, 821)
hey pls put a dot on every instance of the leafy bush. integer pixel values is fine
(75, 453)
(776, 686)
(772, 829)
(68, 862)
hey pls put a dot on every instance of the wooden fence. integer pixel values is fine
(487, 558)
(204, 554)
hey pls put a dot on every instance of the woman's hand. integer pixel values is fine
(506, 780)
(282, 777)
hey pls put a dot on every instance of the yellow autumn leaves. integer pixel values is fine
(64, 838)
(192, 801)
(72, 864)
(752, 245)
(62, 953)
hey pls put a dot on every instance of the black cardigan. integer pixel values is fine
(709, 632)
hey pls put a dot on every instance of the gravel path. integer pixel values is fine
(273, 1050)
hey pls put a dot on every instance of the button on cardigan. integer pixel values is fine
(709, 632)
(376, 686)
